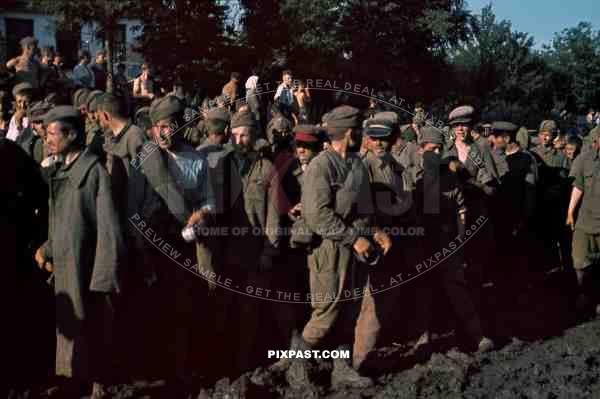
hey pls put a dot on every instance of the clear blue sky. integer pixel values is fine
(542, 18)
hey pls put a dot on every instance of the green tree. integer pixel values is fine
(500, 70)
(574, 58)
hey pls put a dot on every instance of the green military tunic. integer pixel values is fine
(86, 248)
(586, 238)
(408, 156)
(337, 207)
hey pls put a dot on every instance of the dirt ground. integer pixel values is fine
(541, 352)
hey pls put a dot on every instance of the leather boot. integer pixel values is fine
(299, 371)
(344, 375)
(283, 364)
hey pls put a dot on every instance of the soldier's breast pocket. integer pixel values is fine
(256, 192)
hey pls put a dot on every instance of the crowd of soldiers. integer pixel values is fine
(101, 179)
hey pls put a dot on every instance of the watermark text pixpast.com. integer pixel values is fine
(309, 354)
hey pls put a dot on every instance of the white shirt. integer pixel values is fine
(13, 132)
(284, 94)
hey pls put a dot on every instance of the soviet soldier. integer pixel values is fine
(337, 207)
(553, 172)
(476, 168)
(247, 193)
(146, 192)
(442, 214)
(586, 227)
(293, 280)
(392, 203)
(85, 249)
(516, 198)
(32, 139)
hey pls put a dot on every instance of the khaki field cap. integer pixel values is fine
(218, 113)
(62, 112)
(503, 126)
(165, 107)
(462, 114)
(343, 116)
(549, 126)
(22, 88)
(430, 134)
(240, 119)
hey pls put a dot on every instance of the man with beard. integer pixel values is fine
(517, 199)
(189, 171)
(85, 250)
(337, 207)
(442, 214)
(144, 190)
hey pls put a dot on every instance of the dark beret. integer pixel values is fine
(462, 114)
(80, 97)
(62, 112)
(503, 126)
(343, 116)
(240, 119)
(378, 128)
(430, 134)
(165, 107)
(22, 88)
(26, 41)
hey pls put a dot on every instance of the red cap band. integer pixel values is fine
(301, 136)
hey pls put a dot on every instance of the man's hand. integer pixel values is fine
(39, 257)
(199, 216)
(296, 212)
(383, 240)
(454, 166)
(19, 115)
(41, 261)
(570, 220)
(362, 246)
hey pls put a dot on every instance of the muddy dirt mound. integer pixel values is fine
(562, 367)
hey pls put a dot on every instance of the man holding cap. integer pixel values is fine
(337, 207)
(84, 250)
